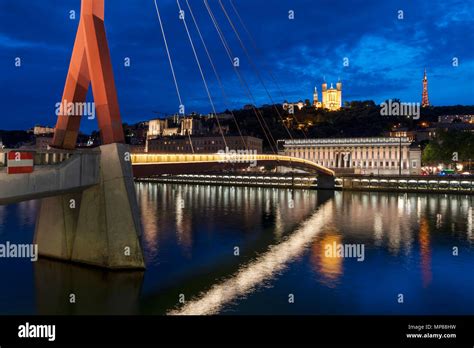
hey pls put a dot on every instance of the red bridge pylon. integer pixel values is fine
(90, 64)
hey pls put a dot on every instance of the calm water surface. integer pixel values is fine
(193, 233)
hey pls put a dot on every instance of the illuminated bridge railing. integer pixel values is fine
(143, 159)
(411, 183)
(40, 157)
(237, 180)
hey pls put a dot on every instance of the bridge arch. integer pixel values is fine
(154, 164)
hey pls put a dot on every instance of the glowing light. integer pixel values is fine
(153, 159)
(330, 268)
(425, 250)
(262, 269)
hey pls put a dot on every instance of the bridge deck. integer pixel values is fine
(223, 159)
(56, 172)
(79, 171)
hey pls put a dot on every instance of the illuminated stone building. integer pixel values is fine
(175, 125)
(375, 155)
(42, 130)
(202, 144)
(293, 106)
(331, 98)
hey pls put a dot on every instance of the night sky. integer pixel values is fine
(387, 56)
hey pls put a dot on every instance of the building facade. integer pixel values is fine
(179, 125)
(42, 130)
(43, 142)
(402, 133)
(293, 106)
(202, 144)
(375, 155)
(163, 127)
(456, 118)
(191, 126)
(331, 98)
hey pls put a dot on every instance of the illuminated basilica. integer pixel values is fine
(331, 98)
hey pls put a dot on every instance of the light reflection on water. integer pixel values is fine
(407, 238)
(260, 270)
(329, 268)
(190, 236)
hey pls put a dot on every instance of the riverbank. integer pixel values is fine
(425, 184)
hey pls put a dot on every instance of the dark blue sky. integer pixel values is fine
(386, 55)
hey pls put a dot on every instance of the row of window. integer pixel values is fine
(367, 164)
(349, 148)
(196, 147)
(326, 155)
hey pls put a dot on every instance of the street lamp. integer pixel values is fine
(400, 157)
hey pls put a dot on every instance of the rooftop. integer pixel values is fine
(346, 141)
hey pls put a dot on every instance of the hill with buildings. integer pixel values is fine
(355, 119)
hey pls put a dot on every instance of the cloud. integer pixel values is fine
(9, 42)
(459, 11)
(387, 56)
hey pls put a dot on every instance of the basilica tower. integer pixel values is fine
(332, 97)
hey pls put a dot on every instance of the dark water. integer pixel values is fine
(191, 235)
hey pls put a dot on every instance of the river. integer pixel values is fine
(225, 250)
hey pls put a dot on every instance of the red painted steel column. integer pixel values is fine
(90, 64)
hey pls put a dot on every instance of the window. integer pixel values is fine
(413, 164)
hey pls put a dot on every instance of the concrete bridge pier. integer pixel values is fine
(99, 226)
(56, 225)
(326, 182)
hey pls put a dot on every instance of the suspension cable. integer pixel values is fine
(259, 53)
(202, 73)
(243, 83)
(172, 68)
(224, 94)
(254, 66)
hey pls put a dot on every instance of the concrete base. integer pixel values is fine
(104, 227)
(56, 225)
(326, 182)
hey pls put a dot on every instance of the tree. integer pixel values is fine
(448, 146)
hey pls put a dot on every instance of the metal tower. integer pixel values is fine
(424, 100)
